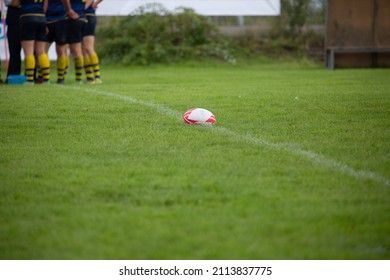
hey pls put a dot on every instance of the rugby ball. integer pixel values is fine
(199, 116)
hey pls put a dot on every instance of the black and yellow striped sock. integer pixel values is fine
(61, 67)
(95, 65)
(29, 65)
(44, 65)
(38, 72)
(88, 68)
(79, 65)
(67, 64)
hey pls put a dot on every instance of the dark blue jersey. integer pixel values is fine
(55, 10)
(79, 7)
(31, 8)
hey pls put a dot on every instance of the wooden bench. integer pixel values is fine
(331, 51)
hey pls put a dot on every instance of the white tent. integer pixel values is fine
(203, 7)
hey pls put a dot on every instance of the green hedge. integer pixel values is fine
(154, 35)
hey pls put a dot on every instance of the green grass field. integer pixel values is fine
(297, 166)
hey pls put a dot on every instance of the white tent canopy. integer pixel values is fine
(203, 7)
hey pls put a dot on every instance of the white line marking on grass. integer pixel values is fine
(313, 157)
(253, 140)
(159, 108)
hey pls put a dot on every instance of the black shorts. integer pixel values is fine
(57, 32)
(33, 28)
(76, 30)
(90, 27)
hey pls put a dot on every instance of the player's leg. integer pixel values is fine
(41, 51)
(48, 42)
(62, 60)
(76, 51)
(91, 59)
(27, 41)
(43, 60)
(87, 51)
(14, 45)
(29, 59)
(75, 31)
(60, 37)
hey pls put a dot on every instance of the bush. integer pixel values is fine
(152, 34)
(293, 18)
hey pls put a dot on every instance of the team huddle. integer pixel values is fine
(70, 24)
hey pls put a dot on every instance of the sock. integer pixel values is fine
(61, 67)
(44, 64)
(29, 65)
(95, 65)
(67, 64)
(38, 71)
(88, 68)
(79, 65)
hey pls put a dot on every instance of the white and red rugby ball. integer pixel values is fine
(199, 116)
